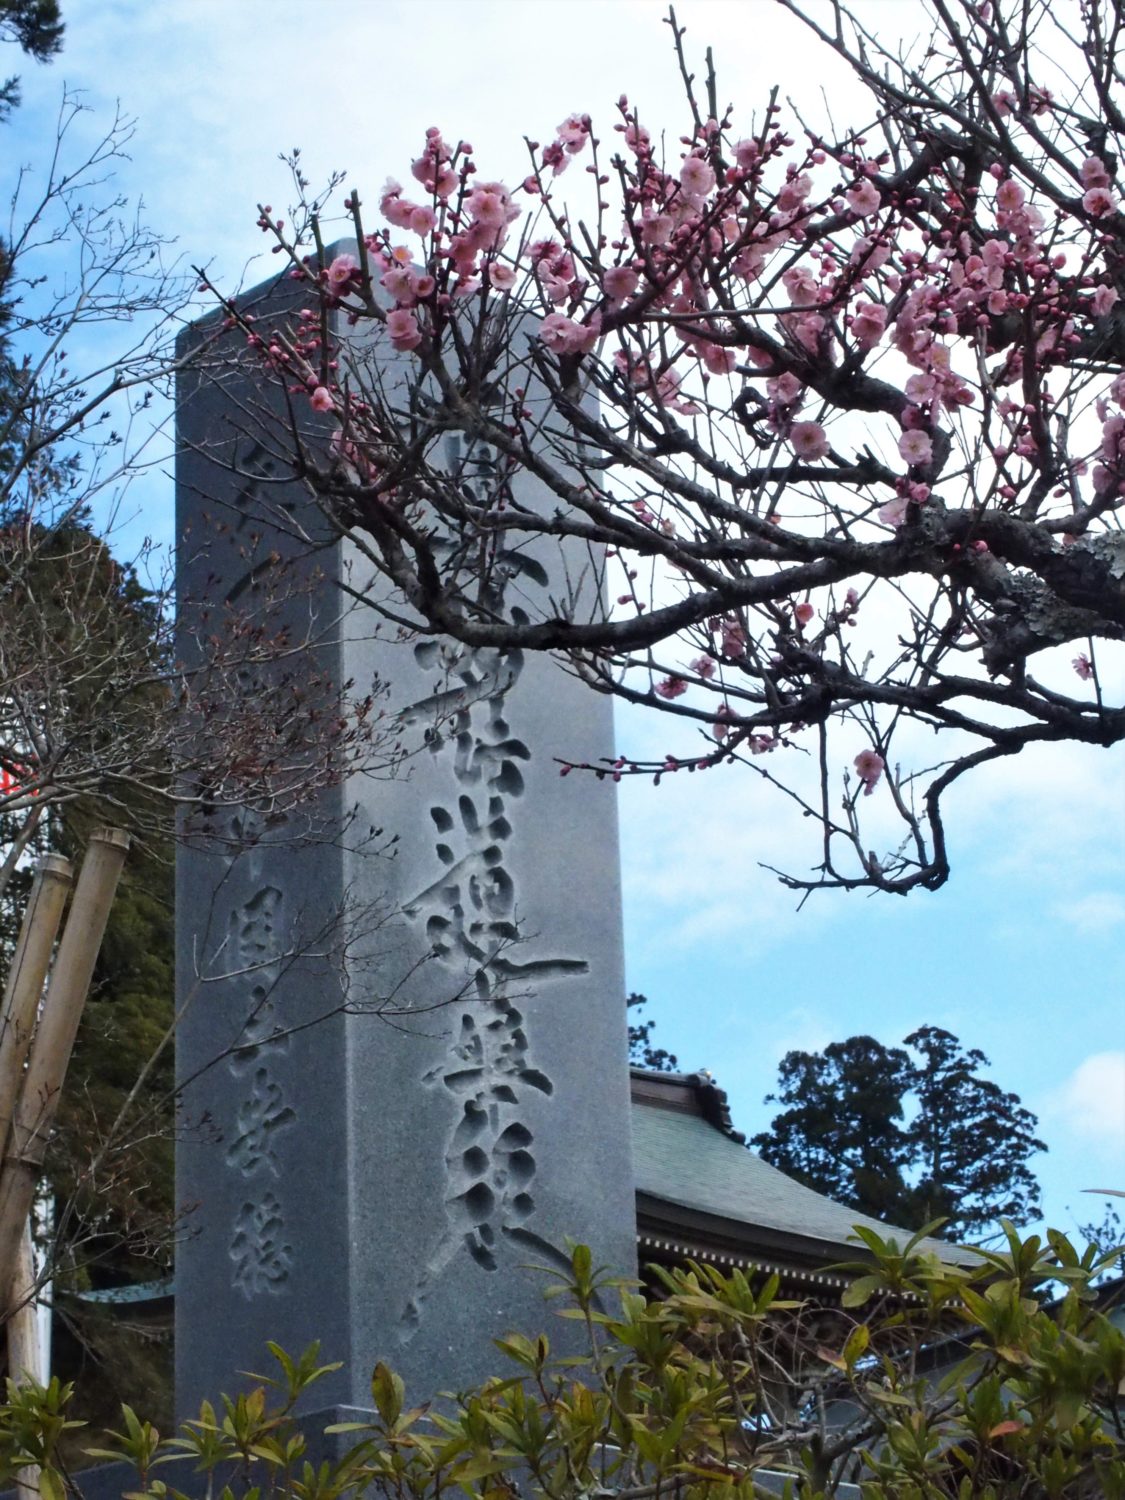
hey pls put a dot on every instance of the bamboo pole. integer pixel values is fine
(27, 974)
(54, 1041)
(22, 994)
(23, 1347)
(23, 1329)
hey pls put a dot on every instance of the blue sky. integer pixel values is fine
(1021, 953)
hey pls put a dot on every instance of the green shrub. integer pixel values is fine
(926, 1381)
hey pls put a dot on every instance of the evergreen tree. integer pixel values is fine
(642, 1052)
(969, 1140)
(905, 1136)
(36, 25)
(841, 1128)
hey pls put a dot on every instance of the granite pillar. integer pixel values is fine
(403, 1052)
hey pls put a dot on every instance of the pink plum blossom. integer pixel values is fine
(747, 154)
(445, 183)
(1093, 173)
(868, 324)
(1098, 202)
(894, 512)
(722, 724)
(864, 198)
(916, 447)
(1103, 300)
(491, 208)
(394, 207)
(671, 687)
(718, 360)
(1083, 666)
(785, 389)
(696, 177)
(869, 766)
(487, 206)
(554, 156)
(870, 254)
(398, 282)
(808, 440)
(564, 336)
(807, 330)
(668, 394)
(321, 399)
(403, 328)
(620, 282)
(801, 284)
(794, 193)
(342, 272)
(656, 229)
(403, 214)
(432, 168)
(1112, 446)
(574, 132)
(732, 637)
(803, 612)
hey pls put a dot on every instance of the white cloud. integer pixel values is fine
(1094, 913)
(1090, 1105)
(356, 87)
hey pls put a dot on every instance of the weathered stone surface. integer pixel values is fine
(405, 1075)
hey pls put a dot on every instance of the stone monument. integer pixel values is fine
(403, 1046)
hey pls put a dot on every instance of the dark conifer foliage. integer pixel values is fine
(642, 1051)
(36, 26)
(906, 1134)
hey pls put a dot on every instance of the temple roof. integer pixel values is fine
(701, 1193)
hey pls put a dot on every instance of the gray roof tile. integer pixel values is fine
(683, 1158)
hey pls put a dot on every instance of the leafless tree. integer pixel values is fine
(100, 703)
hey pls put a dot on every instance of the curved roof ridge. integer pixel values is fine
(711, 1101)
